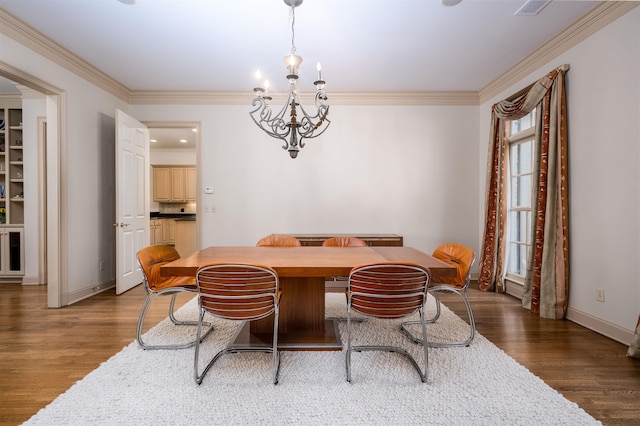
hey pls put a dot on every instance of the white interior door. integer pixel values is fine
(132, 198)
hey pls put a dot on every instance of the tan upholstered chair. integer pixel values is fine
(344, 242)
(150, 259)
(388, 290)
(462, 258)
(238, 292)
(277, 240)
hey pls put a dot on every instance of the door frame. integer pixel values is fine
(56, 173)
(191, 125)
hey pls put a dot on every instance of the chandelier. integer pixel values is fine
(292, 124)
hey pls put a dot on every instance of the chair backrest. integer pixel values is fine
(151, 258)
(238, 291)
(388, 289)
(278, 240)
(344, 242)
(460, 256)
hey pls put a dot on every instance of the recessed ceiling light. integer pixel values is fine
(194, 130)
(153, 140)
(183, 140)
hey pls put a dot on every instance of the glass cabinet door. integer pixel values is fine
(11, 251)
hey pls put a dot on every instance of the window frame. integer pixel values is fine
(513, 140)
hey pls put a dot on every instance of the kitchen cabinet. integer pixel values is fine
(186, 237)
(177, 184)
(11, 251)
(169, 232)
(174, 184)
(190, 180)
(155, 232)
(162, 184)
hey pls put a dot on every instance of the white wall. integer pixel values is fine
(378, 169)
(603, 90)
(90, 172)
(32, 109)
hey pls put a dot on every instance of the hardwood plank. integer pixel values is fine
(44, 351)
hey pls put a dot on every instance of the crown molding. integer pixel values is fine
(39, 43)
(140, 97)
(601, 16)
(22, 78)
(598, 18)
(12, 100)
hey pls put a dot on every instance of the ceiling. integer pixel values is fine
(363, 45)
(169, 138)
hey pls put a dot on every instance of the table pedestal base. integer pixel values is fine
(302, 325)
(300, 340)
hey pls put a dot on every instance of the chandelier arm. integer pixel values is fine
(275, 127)
(308, 125)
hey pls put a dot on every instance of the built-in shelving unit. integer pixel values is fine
(11, 191)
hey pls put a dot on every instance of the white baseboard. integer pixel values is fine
(600, 326)
(31, 281)
(514, 289)
(89, 291)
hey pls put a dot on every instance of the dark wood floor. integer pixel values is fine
(44, 351)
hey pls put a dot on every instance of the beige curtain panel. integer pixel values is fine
(547, 278)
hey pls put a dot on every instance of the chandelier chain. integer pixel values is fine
(293, 30)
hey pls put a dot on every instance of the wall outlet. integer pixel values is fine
(600, 294)
(101, 265)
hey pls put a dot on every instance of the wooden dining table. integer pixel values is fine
(302, 271)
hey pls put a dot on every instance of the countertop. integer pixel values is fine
(177, 216)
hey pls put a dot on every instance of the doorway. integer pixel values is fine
(176, 145)
(49, 247)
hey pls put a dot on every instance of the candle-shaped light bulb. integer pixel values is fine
(258, 75)
(319, 68)
(292, 64)
(266, 86)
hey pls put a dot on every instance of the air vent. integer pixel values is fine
(532, 7)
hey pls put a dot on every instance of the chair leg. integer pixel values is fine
(276, 354)
(348, 354)
(145, 307)
(472, 323)
(423, 374)
(172, 316)
(435, 317)
(232, 350)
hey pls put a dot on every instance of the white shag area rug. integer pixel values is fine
(475, 385)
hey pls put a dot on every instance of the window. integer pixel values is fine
(520, 135)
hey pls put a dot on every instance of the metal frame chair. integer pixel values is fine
(238, 292)
(462, 258)
(388, 290)
(278, 240)
(150, 259)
